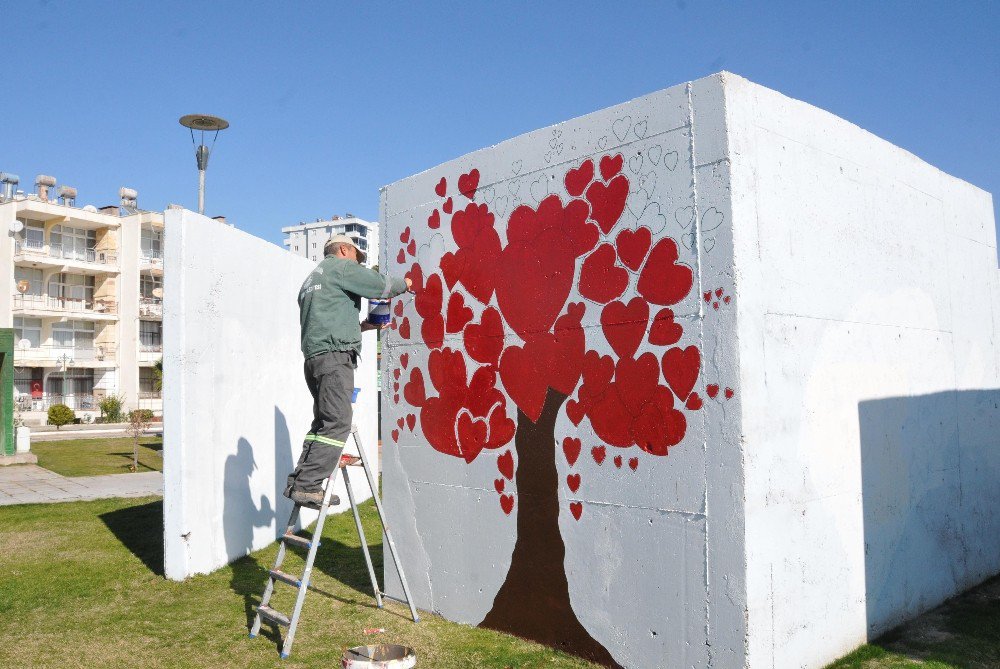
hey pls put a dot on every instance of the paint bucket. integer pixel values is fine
(382, 656)
(378, 312)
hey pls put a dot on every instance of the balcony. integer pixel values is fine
(151, 308)
(87, 261)
(149, 354)
(97, 356)
(151, 261)
(77, 402)
(48, 306)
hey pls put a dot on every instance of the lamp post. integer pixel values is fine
(65, 361)
(203, 123)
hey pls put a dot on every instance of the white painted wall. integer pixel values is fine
(869, 314)
(847, 483)
(236, 406)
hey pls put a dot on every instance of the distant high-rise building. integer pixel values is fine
(307, 239)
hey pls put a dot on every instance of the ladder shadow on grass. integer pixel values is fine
(140, 529)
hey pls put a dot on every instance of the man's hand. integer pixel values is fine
(366, 326)
(409, 284)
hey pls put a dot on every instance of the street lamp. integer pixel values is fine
(65, 361)
(203, 123)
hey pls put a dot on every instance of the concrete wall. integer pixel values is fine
(236, 406)
(580, 532)
(869, 312)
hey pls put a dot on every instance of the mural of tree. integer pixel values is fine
(507, 376)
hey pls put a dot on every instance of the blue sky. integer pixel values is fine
(329, 101)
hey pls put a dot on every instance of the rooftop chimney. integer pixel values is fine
(220, 219)
(109, 210)
(43, 183)
(130, 198)
(9, 181)
(67, 195)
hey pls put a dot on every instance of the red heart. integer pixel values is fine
(680, 369)
(499, 484)
(575, 411)
(577, 179)
(573, 481)
(404, 328)
(600, 279)
(663, 280)
(712, 390)
(395, 436)
(729, 393)
(718, 292)
(395, 386)
(715, 305)
(523, 383)
(434, 220)
(505, 463)
(441, 188)
(414, 390)
(598, 453)
(458, 314)
(611, 166)
(400, 423)
(618, 461)
(393, 325)
(607, 202)
(405, 237)
(484, 341)
(694, 402)
(396, 373)
(411, 248)
(727, 299)
(625, 325)
(633, 246)
(468, 183)
(411, 421)
(571, 449)
(472, 435)
(507, 503)
(633, 463)
(636, 381)
(707, 296)
(395, 398)
(447, 206)
(401, 257)
(576, 508)
(664, 331)
(404, 359)
(398, 308)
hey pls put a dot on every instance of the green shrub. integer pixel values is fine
(111, 408)
(60, 414)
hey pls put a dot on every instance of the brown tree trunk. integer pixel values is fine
(533, 602)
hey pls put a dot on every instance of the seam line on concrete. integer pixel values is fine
(842, 320)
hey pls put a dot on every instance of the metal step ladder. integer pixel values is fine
(270, 615)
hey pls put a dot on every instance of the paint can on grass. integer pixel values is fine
(382, 656)
(378, 312)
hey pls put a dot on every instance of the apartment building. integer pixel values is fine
(307, 239)
(82, 288)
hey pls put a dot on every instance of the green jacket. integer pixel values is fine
(330, 303)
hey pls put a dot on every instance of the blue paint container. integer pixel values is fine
(378, 312)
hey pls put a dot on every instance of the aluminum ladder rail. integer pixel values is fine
(289, 538)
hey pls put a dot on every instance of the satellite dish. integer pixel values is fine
(16, 226)
(24, 344)
(158, 292)
(91, 208)
(22, 286)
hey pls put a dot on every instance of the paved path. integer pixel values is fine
(30, 484)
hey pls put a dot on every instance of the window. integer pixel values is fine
(147, 284)
(74, 335)
(72, 243)
(28, 328)
(147, 380)
(363, 231)
(32, 276)
(151, 244)
(34, 235)
(314, 244)
(23, 377)
(151, 335)
(72, 291)
(74, 382)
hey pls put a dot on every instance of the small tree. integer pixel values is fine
(158, 376)
(111, 408)
(60, 414)
(138, 423)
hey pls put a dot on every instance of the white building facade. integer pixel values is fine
(307, 239)
(82, 288)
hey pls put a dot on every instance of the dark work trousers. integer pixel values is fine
(330, 377)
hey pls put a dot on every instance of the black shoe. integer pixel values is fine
(312, 500)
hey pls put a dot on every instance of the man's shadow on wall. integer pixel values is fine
(242, 512)
(929, 467)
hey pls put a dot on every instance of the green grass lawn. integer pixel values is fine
(81, 585)
(91, 457)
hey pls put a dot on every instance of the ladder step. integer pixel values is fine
(285, 578)
(297, 540)
(273, 616)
